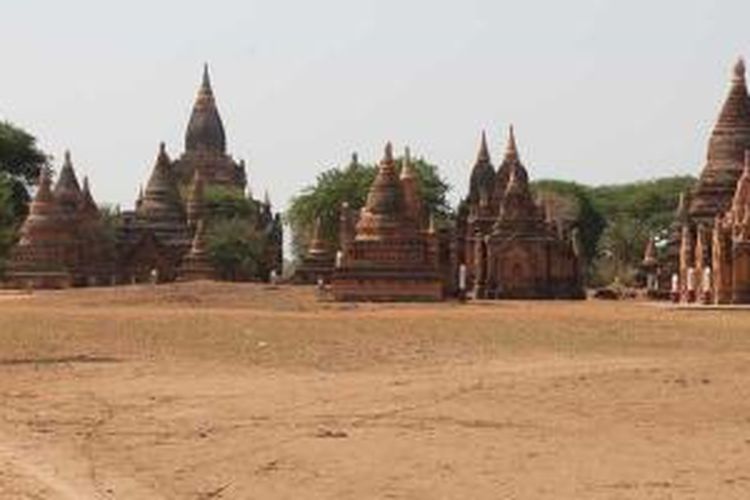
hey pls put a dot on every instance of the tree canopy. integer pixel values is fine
(236, 245)
(350, 184)
(21, 160)
(616, 221)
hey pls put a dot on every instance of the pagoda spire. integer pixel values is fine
(407, 167)
(484, 150)
(88, 205)
(511, 151)
(410, 188)
(44, 186)
(67, 190)
(385, 199)
(739, 71)
(206, 83)
(388, 156)
(736, 109)
(205, 131)
(482, 174)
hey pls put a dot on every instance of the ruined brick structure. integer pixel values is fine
(710, 242)
(510, 244)
(63, 241)
(318, 262)
(162, 231)
(388, 254)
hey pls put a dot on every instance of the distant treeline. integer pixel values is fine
(616, 220)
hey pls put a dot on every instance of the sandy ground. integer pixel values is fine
(246, 392)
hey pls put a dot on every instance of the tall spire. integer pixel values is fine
(482, 174)
(739, 71)
(205, 131)
(67, 190)
(386, 197)
(206, 83)
(731, 134)
(161, 207)
(511, 151)
(388, 156)
(511, 163)
(87, 203)
(407, 167)
(44, 186)
(484, 150)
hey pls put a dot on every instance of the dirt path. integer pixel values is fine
(514, 401)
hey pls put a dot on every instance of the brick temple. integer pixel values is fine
(710, 248)
(164, 238)
(318, 262)
(511, 245)
(63, 241)
(388, 253)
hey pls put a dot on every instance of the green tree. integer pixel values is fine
(21, 160)
(224, 203)
(350, 184)
(236, 249)
(634, 212)
(7, 218)
(577, 211)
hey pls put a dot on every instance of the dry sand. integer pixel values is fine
(245, 392)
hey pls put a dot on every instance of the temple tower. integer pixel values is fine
(161, 209)
(206, 145)
(726, 149)
(197, 263)
(411, 189)
(514, 248)
(389, 258)
(205, 130)
(46, 250)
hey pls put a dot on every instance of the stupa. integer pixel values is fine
(389, 256)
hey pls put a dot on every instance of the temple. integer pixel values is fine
(388, 253)
(63, 241)
(511, 246)
(318, 263)
(709, 251)
(162, 231)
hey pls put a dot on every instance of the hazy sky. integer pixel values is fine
(599, 91)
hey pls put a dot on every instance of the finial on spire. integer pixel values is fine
(512, 149)
(484, 150)
(388, 158)
(85, 187)
(739, 70)
(68, 160)
(163, 157)
(407, 168)
(206, 77)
